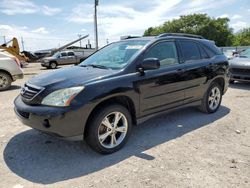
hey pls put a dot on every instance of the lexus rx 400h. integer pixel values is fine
(123, 84)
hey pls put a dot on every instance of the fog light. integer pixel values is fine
(46, 123)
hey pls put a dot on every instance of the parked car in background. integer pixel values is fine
(123, 84)
(240, 67)
(63, 58)
(10, 70)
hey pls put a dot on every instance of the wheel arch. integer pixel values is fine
(221, 81)
(7, 72)
(122, 100)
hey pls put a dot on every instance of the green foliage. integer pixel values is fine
(242, 38)
(217, 30)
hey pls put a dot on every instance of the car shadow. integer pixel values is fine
(12, 87)
(240, 85)
(40, 158)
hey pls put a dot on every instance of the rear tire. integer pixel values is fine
(108, 130)
(5, 81)
(212, 98)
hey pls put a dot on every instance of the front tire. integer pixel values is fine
(5, 81)
(212, 99)
(109, 129)
(53, 65)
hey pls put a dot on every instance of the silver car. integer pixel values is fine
(240, 67)
(10, 70)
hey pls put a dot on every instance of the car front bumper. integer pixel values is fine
(240, 77)
(60, 122)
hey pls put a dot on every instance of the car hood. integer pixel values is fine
(71, 76)
(239, 62)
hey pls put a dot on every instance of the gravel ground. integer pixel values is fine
(182, 149)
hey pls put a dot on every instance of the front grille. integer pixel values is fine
(29, 92)
(240, 71)
(23, 114)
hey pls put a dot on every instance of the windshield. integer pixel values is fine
(246, 53)
(56, 55)
(116, 55)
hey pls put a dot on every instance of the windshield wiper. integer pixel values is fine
(95, 66)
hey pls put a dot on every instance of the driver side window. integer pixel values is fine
(166, 53)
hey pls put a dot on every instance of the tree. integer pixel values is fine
(217, 30)
(242, 38)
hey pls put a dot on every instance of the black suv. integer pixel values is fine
(123, 84)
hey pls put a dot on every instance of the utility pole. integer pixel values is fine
(79, 35)
(95, 24)
(22, 43)
(4, 39)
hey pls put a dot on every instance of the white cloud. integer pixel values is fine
(17, 7)
(202, 6)
(121, 19)
(81, 14)
(40, 30)
(239, 25)
(49, 11)
(6, 28)
(14, 7)
(236, 16)
(223, 16)
(32, 40)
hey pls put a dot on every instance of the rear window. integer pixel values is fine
(211, 48)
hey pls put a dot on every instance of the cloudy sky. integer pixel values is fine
(48, 24)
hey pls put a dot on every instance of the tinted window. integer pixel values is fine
(165, 52)
(203, 53)
(209, 52)
(71, 54)
(190, 50)
(63, 54)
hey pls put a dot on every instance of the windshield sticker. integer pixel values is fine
(137, 47)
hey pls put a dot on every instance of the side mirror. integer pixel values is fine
(150, 64)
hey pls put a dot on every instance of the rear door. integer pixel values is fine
(162, 89)
(197, 68)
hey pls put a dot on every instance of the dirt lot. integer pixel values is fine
(181, 149)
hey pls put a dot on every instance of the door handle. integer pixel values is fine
(180, 71)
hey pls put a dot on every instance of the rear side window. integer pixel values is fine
(164, 51)
(190, 50)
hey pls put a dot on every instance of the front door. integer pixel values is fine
(162, 89)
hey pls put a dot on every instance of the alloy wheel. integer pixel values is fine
(3, 81)
(112, 130)
(214, 98)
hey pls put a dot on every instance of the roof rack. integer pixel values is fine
(128, 37)
(180, 35)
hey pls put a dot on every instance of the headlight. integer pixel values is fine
(62, 97)
(45, 61)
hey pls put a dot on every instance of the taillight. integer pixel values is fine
(17, 61)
